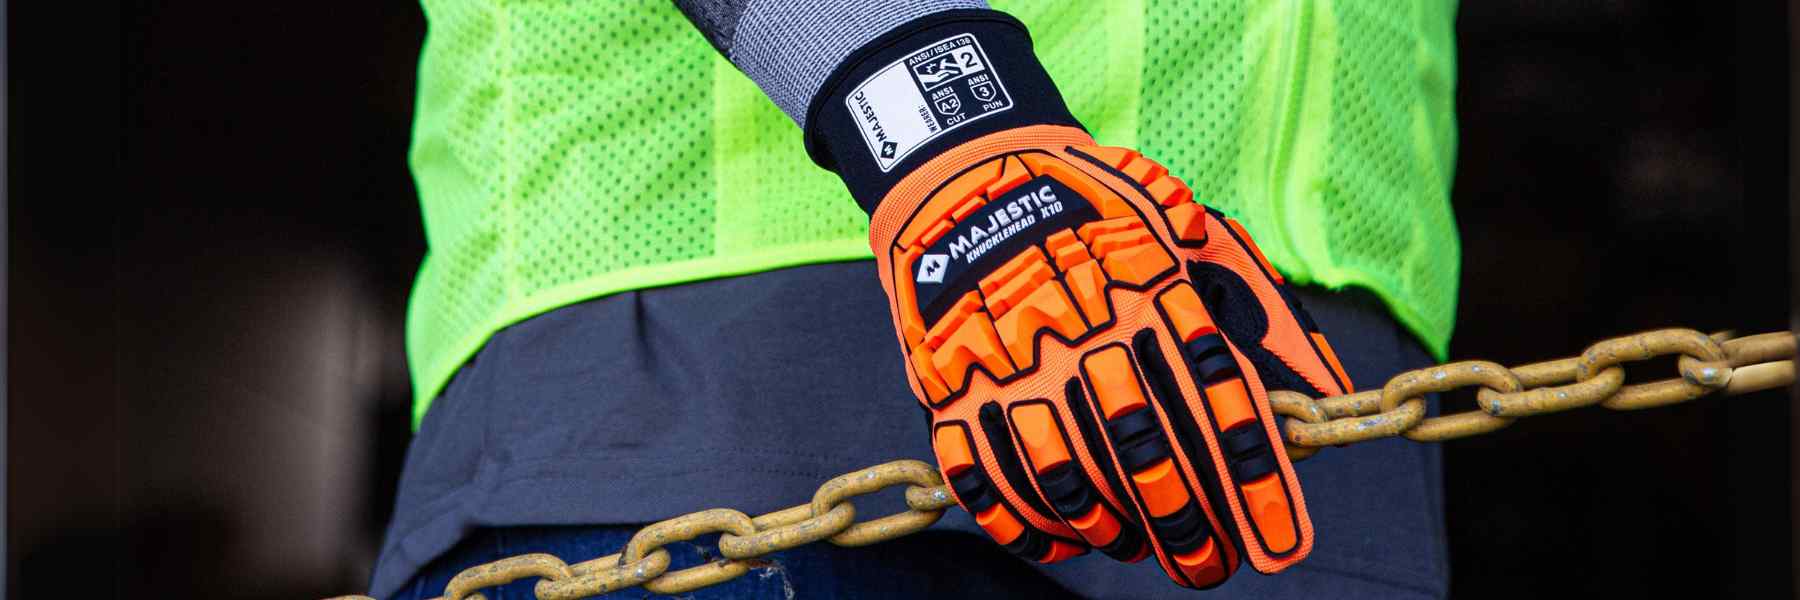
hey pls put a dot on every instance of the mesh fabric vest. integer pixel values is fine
(568, 150)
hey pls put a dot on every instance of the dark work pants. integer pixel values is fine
(570, 430)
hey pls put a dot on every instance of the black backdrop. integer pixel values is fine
(213, 232)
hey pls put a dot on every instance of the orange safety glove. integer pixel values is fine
(1092, 345)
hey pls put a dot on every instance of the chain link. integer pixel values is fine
(1717, 364)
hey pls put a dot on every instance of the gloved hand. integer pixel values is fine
(1092, 345)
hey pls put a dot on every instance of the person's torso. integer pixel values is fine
(569, 150)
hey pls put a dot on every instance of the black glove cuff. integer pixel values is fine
(923, 88)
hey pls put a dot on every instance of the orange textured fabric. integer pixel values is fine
(1048, 290)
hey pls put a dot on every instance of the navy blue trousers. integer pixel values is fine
(570, 430)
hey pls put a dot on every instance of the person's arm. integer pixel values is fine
(1092, 345)
(790, 47)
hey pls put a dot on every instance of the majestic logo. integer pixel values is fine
(983, 91)
(931, 268)
(868, 115)
(887, 149)
(1003, 220)
(950, 104)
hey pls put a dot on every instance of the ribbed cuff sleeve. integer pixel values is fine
(789, 47)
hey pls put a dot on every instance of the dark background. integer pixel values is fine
(212, 234)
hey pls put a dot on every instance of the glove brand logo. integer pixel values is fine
(994, 233)
(931, 268)
(1013, 217)
(873, 122)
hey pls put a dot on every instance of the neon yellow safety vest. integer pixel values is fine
(569, 150)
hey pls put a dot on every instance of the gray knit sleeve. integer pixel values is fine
(789, 47)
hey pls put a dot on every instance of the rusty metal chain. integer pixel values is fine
(1707, 365)
(743, 540)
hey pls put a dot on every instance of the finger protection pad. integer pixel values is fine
(1063, 483)
(1268, 518)
(975, 490)
(1179, 520)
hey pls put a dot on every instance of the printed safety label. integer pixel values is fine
(914, 100)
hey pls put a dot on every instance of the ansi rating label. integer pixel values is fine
(913, 100)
